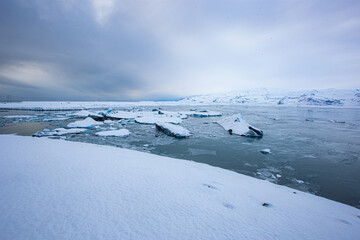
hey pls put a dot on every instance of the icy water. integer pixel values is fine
(312, 149)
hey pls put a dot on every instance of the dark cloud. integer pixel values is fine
(138, 50)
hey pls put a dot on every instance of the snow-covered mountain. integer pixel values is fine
(263, 96)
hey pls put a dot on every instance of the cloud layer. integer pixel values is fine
(138, 50)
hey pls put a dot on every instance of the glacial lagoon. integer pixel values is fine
(313, 149)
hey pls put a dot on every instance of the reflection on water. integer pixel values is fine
(312, 149)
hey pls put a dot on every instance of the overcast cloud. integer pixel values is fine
(162, 49)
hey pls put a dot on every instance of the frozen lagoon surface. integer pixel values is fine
(313, 149)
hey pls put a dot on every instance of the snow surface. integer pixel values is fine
(55, 189)
(114, 133)
(173, 130)
(235, 124)
(86, 123)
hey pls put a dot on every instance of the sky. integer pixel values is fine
(129, 50)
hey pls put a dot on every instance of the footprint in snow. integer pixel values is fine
(227, 205)
(344, 221)
(209, 186)
(266, 204)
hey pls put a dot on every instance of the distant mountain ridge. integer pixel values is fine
(263, 96)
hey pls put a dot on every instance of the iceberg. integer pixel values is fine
(172, 130)
(86, 123)
(114, 133)
(237, 125)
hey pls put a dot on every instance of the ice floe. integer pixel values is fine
(114, 133)
(58, 132)
(172, 130)
(86, 123)
(86, 113)
(123, 115)
(265, 151)
(235, 124)
(158, 118)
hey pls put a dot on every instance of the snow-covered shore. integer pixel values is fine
(335, 98)
(73, 105)
(55, 189)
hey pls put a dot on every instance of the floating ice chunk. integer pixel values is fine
(335, 121)
(86, 113)
(236, 125)
(63, 131)
(158, 118)
(58, 132)
(123, 115)
(114, 133)
(86, 123)
(265, 151)
(172, 130)
(110, 122)
(299, 181)
(82, 113)
(173, 114)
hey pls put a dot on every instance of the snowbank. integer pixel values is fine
(55, 189)
(237, 125)
(173, 130)
(86, 123)
(114, 133)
